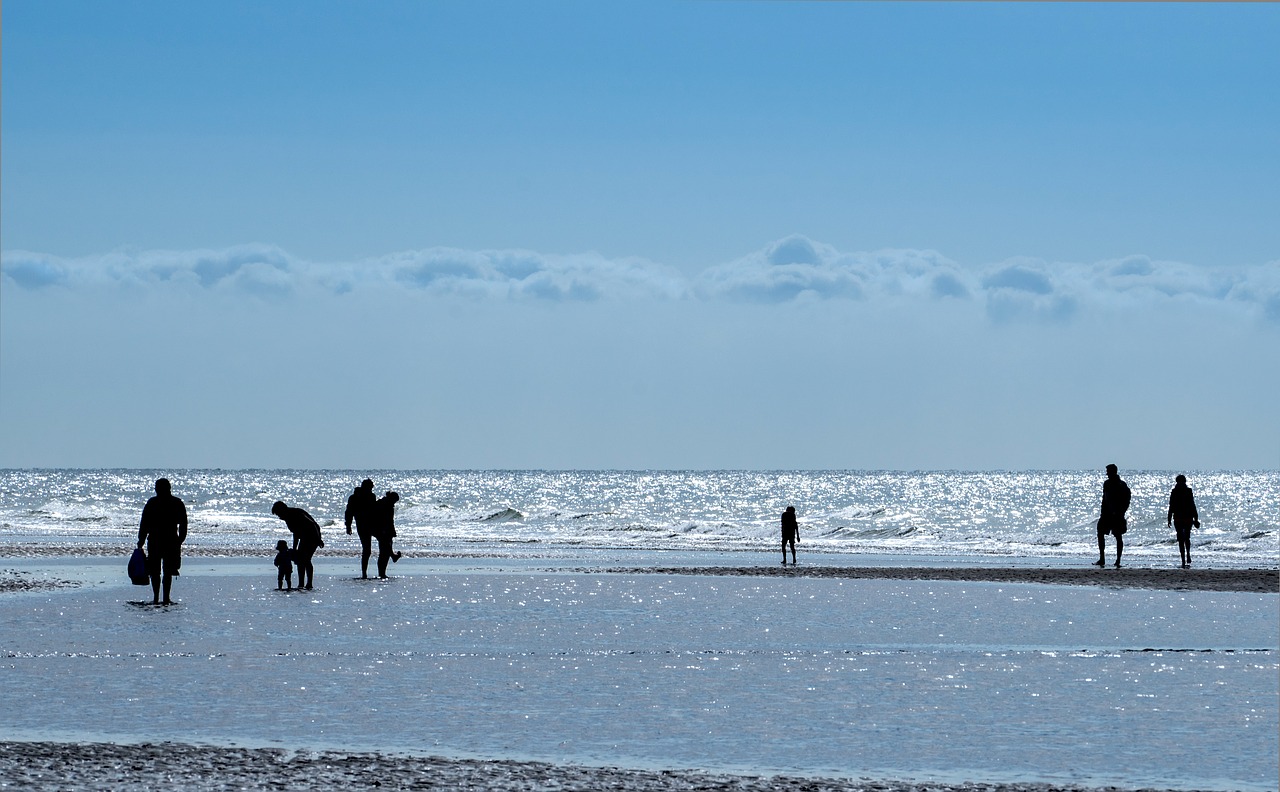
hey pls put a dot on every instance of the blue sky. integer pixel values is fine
(667, 235)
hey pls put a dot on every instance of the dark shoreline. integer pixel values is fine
(151, 766)
(1252, 581)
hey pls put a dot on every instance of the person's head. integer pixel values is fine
(1112, 470)
(393, 496)
(281, 546)
(1181, 479)
(791, 510)
(367, 484)
(278, 508)
(162, 486)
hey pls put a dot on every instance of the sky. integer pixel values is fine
(639, 235)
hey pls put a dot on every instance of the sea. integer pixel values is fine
(958, 516)
(520, 625)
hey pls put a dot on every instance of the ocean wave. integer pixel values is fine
(506, 515)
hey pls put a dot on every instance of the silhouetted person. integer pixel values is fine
(163, 528)
(790, 533)
(306, 539)
(1115, 502)
(385, 515)
(284, 565)
(1183, 515)
(360, 507)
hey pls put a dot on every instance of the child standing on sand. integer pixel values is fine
(284, 565)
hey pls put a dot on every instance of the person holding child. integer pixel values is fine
(306, 539)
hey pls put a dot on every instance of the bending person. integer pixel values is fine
(306, 539)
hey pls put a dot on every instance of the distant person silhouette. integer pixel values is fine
(360, 507)
(1115, 502)
(385, 531)
(284, 565)
(1182, 516)
(790, 533)
(306, 539)
(163, 528)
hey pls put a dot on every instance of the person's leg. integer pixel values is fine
(1102, 550)
(366, 550)
(167, 564)
(1119, 547)
(384, 555)
(791, 540)
(155, 588)
(784, 550)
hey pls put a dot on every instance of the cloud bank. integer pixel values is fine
(795, 269)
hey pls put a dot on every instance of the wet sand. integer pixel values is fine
(150, 766)
(1253, 581)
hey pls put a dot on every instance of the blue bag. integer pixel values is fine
(138, 568)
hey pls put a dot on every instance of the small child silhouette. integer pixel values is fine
(284, 565)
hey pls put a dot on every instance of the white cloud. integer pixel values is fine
(795, 268)
(526, 274)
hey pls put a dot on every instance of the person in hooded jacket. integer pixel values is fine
(385, 530)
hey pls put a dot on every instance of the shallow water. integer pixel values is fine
(855, 677)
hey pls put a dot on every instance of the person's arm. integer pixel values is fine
(182, 522)
(350, 514)
(142, 526)
(1169, 520)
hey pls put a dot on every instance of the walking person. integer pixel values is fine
(163, 528)
(790, 534)
(306, 539)
(1182, 516)
(1115, 502)
(385, 530)
(360, 508)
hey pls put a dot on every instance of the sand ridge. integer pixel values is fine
(1258, 581)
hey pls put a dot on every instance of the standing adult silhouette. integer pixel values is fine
(163, 528)
(1115, 502)
(790, 533)
(306, 539)
(1182, 516)
(360, 508)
